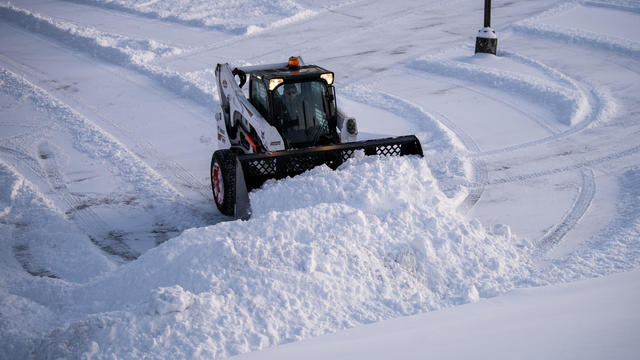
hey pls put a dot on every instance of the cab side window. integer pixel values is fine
(259, 97)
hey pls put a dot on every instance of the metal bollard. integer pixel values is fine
(486, 40)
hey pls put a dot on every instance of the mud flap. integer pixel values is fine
(242, 206)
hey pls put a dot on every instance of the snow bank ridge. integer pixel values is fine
(91, 139)
(534, 26)
(117, 49)
(236, 17)
(303, 15)
(429, 128)
(567, 101)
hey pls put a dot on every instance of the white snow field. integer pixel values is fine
(516, 236)
(513, 326)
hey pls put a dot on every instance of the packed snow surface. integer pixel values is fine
(112, 247)
(606, 310)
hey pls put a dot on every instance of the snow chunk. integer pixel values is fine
(166, 300)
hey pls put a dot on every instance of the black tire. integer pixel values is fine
(223, 180)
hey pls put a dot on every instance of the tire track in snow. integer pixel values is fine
(573, 216)
(479, 165)
(569, 104)
(92, 42)
(448, 69)
(601, 110)
(577, 166)
(95, 143)
(81, 41)
(89, 137)
(21, 157)
(80, 212)
(590, 108)
(172, 171)
(46, 169)
(542, 123)
(480, 171)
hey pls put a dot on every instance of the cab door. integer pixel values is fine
(259, 97)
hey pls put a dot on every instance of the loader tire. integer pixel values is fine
(223, 180)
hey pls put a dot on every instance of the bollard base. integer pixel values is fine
(486, 41)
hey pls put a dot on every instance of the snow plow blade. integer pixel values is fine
(258, 168)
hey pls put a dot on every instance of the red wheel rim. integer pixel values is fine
(217, 184)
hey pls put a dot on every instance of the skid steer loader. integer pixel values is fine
(289, 124)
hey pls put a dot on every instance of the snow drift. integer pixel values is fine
(374, 240)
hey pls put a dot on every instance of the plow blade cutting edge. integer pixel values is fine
(257, 168)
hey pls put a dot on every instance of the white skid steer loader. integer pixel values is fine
(289, 124)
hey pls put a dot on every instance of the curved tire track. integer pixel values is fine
(46, 168)
(576, 166)
(573, 216)
(95, 143)
(599, 104)
(78, 210)
(599, 112)
(172, 171)
(480, 170)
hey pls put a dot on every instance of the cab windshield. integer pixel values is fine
(301, 112)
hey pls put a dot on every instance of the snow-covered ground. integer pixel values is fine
(556, 322)
(527, 202)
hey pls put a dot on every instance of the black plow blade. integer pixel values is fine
(258, 168)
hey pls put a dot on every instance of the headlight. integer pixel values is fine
(273, 83)
(328, 78)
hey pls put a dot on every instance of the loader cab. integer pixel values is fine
(299, 101)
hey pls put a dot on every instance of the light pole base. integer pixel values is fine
(487, 41)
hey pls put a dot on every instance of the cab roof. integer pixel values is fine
(291, 74)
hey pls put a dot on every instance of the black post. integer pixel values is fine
(487, 13)
(487, 41)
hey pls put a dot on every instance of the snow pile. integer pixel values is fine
(324, 251)
(236, 16)
(37, 245)
(446, 153)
